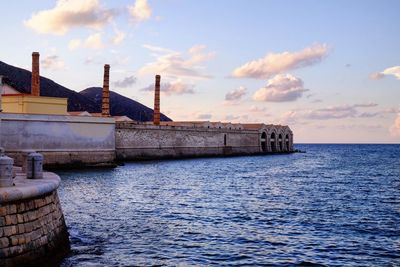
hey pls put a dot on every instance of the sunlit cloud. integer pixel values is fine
(175, 64)
(68, 14)
(281, 88)
(52, 62)
(74, 44)
(177, 87)
(119, 37)
(275, 63)
(393, 71)
(93, 41)
(140, 11)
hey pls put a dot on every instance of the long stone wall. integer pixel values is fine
(63, 140)
(32, 227)
(135, 141)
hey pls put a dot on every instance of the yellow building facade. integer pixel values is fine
(29, 104)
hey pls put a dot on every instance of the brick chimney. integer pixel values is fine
(35, 85)
(156, 114)
(105, 106)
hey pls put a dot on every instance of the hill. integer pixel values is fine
(88, 100)
(20, 79)
(121, 105)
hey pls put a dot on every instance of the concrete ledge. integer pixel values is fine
(29, 188)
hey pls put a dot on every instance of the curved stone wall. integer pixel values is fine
(32, 226)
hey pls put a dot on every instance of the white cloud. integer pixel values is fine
(94, 41)
(394, 71)
(174, 64)
(237, 94)
(273, 64)
(69, 14)
(52, 62)
(281, 88)
(74, 44)
(177, 87)
(140, 11)
(119, 37)
(395, 128)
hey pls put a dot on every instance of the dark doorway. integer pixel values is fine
(287, 142)
(224, 139)
(273, 142)
(264, 142)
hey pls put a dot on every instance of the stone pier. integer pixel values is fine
(32, 227)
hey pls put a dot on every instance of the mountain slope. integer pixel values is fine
(21, 80)
(121, 105)
(88, 100)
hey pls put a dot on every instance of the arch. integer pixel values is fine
(287, 143)
(280, 142)
(263, 141)
(272, 142)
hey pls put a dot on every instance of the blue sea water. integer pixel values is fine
(336, 205)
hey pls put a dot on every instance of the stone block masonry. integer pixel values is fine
(32, 227)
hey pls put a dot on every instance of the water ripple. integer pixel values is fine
(336, 205)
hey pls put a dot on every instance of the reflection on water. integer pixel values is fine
(336, 205)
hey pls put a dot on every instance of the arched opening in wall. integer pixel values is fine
(224, 139)
(280, 142)
(273, 142)
(264, 142)
(287, 142)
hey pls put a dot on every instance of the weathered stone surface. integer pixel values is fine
(33, 232)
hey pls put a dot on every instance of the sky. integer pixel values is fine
(328, 69)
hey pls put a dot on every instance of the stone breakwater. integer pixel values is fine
(32, 226)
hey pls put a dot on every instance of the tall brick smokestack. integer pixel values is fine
(105, 105)
(156, 114)
(35, 84)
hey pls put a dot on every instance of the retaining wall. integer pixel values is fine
(32, 227)
(63, 140)
(135, 141)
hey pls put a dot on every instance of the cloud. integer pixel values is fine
(281, 88)
(256, 109)
(94, 41)
(365, 105)
(273, 64)
(177, 87)
(125, 82)
(52, 63)
(172, 63)
(68, 14)
(394, 71)
(204, 116)
(119, 37)
(140, 11)
(231, 117)
(237, 94)
(74, 44)
(334, 112)
(395, 128)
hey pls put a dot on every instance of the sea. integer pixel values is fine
(335, 205)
